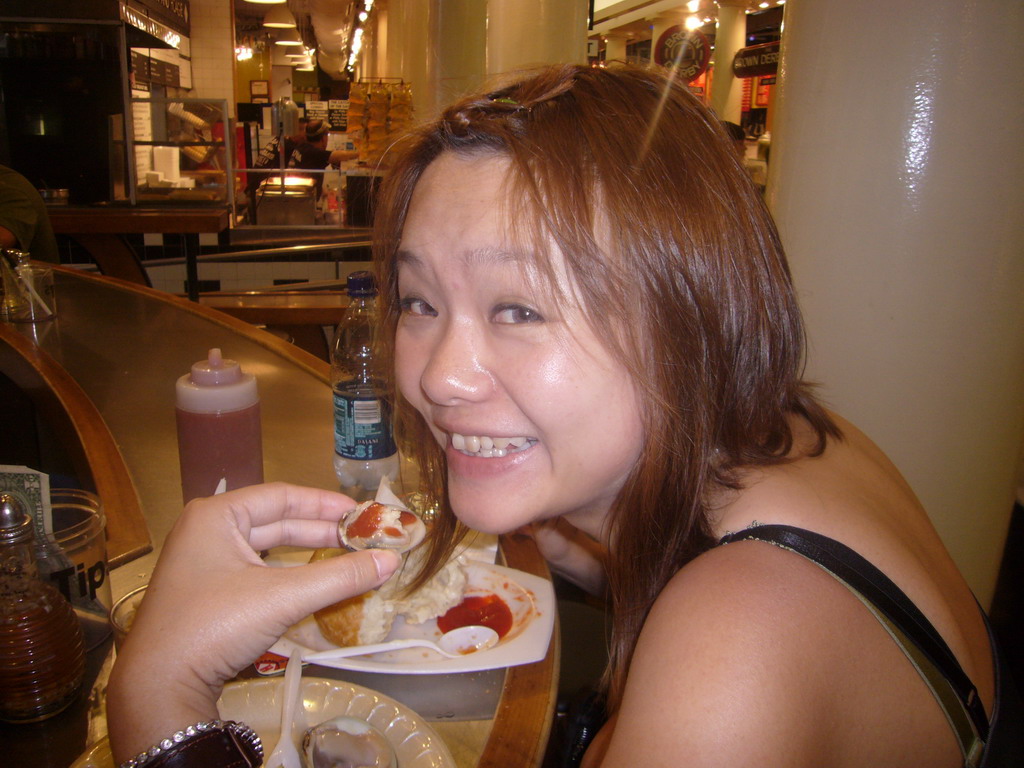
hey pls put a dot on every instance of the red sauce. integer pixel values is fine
(368, 522)
(487, 610)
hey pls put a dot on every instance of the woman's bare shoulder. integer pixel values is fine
(739, 662)
(721, 668)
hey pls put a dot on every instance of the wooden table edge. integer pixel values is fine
(66, 405)
(308, 362)
(531, 690)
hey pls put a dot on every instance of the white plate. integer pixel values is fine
(258, 704)
(530, 598)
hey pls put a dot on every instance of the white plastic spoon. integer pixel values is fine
(285, 755)
(455, 644)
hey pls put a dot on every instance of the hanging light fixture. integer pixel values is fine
(288, 37)
(279, 17)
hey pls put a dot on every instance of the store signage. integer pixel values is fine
(174, 13)
(149, 70)
(689, 52)
(756, 60)
(316, 110)
(337, 114)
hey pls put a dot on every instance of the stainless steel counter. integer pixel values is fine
(126, 348)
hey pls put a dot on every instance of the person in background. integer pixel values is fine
(272, 157)
(738, 137)
(313, 154)
(24, 219)
(595, 338)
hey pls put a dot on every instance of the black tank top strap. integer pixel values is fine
(879, 590)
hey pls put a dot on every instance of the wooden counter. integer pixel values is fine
(98, 230)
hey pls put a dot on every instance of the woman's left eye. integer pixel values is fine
(516, 313)
(414, 306)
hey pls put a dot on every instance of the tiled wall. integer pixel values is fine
(213, 56)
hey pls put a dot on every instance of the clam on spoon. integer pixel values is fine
(453, 644)
(375, 525)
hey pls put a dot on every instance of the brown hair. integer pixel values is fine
(675, 261)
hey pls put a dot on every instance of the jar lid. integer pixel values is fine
(15, 523)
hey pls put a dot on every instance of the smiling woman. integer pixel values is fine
(490, 359)
(595, 337)
(618, 310)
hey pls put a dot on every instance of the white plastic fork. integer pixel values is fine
(284, 754)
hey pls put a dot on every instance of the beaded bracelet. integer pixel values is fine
(246, 735)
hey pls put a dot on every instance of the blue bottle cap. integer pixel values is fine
(361, 284)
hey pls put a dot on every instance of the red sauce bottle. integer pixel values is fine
(220, 445)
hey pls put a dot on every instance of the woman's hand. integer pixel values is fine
(213, 606)
(571, 553)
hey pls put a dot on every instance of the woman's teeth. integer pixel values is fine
(489, 447)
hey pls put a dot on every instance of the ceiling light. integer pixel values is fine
(288, 37)
(266, 2)
(693, 22)
(279, 17)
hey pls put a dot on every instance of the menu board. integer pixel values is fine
(316, 110)
(337, 114)
(148, 69)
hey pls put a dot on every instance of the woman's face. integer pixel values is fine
(535, 416)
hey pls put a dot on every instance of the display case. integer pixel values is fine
(179, 151)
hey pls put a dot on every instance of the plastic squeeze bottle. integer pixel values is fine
(219, 441)
(364, 448)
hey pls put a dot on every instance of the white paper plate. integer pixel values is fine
(530, 598)
(258, 704)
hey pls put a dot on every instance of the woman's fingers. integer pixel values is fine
(299, 591)
(270, 515)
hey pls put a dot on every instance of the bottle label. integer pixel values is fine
(362, 427)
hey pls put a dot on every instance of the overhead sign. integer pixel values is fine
(689, 52)
(757, 60)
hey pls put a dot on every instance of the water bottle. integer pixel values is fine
(364, 448)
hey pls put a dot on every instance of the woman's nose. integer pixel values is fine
(455, 370)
